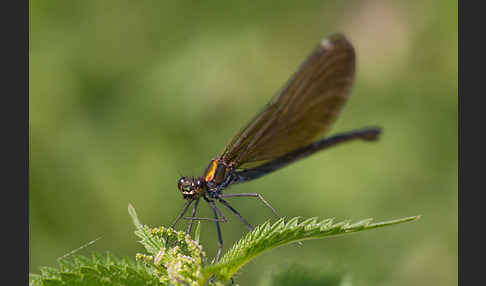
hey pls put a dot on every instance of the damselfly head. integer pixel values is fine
(190, 187)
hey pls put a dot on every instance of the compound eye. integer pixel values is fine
(181, 182)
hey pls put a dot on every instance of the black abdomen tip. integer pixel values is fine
(371, 134)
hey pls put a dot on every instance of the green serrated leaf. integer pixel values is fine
(52, 282)
(69, 277)
(102, 270)
(88, 271)
(293, 222)
(281, 233)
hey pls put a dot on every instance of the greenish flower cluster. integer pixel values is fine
(178, 261)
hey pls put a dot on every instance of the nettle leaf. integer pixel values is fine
(269, 236)
(96, 270)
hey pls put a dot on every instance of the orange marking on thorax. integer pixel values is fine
(211, 171)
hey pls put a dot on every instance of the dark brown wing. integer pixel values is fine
(305, 108)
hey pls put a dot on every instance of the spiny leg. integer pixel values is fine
(186, 206)
(218, 228)
(205, 218)
(252, 195)
(222, 219)
(194, 209)
(225, 203)
(220, 213)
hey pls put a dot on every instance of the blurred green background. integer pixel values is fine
(125, 96)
